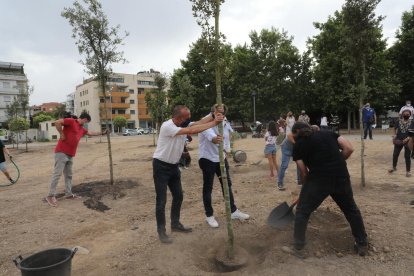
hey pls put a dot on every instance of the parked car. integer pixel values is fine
(140, 131)
(130, 132)
(146, 131)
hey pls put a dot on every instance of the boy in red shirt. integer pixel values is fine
(71, 131)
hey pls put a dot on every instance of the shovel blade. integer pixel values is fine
(281, 216)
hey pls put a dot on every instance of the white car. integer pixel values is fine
(130, 132)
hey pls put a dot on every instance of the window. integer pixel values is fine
(141, 91)
(101, 100)
(132, 111)
(121, 111)
(6, 84)
(54, 137)
(7, 99)
(113, 111)
(116, 79)
(131, 101)
(146, 82)
(131, 91)
(81, 104)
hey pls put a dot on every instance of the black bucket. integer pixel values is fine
(52, 262)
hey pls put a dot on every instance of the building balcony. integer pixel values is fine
(117, 94)
(126, 116)
(115, 105)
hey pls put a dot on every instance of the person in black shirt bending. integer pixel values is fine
(320, 157)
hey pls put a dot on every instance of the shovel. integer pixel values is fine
(282, 215)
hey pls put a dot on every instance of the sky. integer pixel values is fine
(161, 32)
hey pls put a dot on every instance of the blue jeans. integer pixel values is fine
(286, 155)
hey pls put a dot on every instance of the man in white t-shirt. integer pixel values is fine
(165, 165)
(209, 162)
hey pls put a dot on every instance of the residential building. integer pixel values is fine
(45, 107)
(125, 96)
(70, 103)
(12, 81)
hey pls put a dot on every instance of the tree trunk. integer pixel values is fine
(220, 127)
(361, 103)
(354, 120)
(349, 121)
(108, 134)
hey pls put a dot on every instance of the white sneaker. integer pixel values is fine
(212, 222)
(239, 215)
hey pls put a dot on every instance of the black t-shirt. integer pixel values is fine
(2, 158)
(320, 153)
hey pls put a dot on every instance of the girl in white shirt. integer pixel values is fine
(290, 121)
(270, 147)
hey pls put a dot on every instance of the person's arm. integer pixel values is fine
(208, 118)
(346, 146)
(291, 138)
(194, 129)
(96, 133)
(59, 127)
(6, 151)
(302, 169)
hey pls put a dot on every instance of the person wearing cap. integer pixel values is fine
(303, 117)
(369, 118)
(407, 106)
(401, 139)
(209, 162)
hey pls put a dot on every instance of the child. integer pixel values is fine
(3, 166)
(270, 148)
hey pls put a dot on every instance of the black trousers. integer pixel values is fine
(314, 192)
(209, 170)
(396, 154)
(167, 175)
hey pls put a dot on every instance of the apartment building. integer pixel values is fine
(125, 96)
(12, 80)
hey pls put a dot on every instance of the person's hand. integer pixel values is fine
(62, 137)
(218, 139)
(218, 117)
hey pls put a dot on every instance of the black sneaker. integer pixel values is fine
(181, 228)
(361, 250)
(12, 181)
(164, 238)
(412, 203)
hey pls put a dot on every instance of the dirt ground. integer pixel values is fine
(121, 236)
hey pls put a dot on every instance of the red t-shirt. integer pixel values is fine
(73, 132)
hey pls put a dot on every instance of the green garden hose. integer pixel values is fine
(17, 178)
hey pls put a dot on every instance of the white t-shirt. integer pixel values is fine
(324, 121)
(290, 122)
(270, 140)
(169, 146)
(207, 149)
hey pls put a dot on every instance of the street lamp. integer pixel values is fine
(254, 106)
